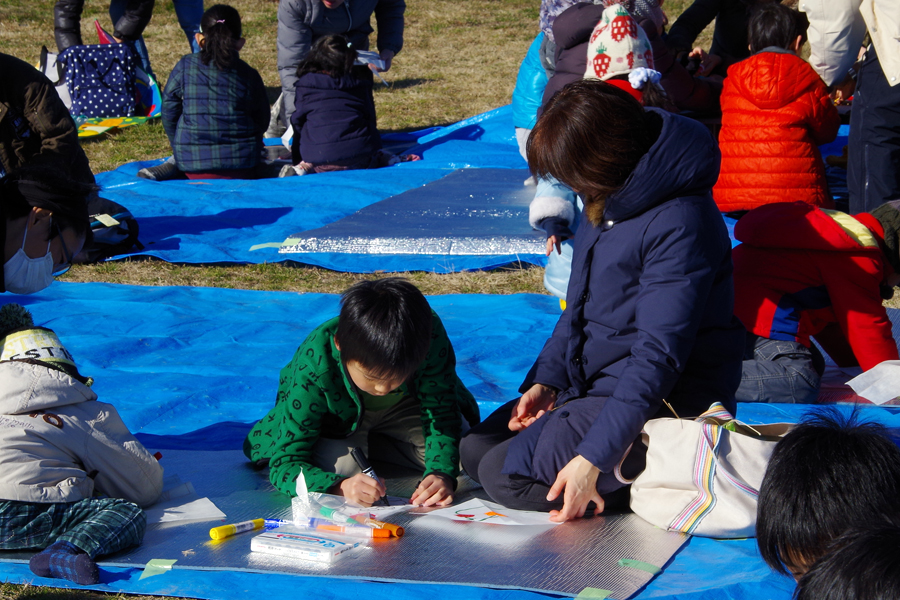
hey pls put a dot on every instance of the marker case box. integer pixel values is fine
(305, 544)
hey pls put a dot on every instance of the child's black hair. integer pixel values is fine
(864, 565)
(331, 54)
(40, 186)
(221, 28)
(774, 24)
(385, 326)
(652, 94)
(826, 475)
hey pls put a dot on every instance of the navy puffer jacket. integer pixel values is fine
(650, 302)
(334, 119)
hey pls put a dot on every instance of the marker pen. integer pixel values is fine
(361, 460)
(224, 531)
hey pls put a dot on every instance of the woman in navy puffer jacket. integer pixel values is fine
(649, 319)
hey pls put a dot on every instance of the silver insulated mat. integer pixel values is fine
(617, 553)
(467, 212)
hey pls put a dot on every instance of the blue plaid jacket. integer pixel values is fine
(214, 118)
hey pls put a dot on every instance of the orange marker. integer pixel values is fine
(366, 532)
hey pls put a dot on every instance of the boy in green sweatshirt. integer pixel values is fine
(385, 366)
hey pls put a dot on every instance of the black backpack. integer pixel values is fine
(114, 228)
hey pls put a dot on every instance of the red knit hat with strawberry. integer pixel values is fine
(617, 46)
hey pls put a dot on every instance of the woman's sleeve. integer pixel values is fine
(682, 258)
(692, 21)
(389, 18)
(550, 367)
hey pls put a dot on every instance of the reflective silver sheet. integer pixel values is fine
(468, 212)
(564, 559)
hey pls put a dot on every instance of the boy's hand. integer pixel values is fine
(708, 62)
(531, 406)
(362, 489)
(433, 491)
(554, 241)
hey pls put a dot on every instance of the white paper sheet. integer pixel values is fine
(880, 384)
(180, 502)
(482, 511)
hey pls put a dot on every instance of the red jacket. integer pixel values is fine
(800, 268)
(775, 112)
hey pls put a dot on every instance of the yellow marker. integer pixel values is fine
(218, 533)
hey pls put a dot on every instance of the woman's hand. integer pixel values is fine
(531, 406)
(708, 62)
(433, 491)
(579, 479)
(387, 56)
(361, 489)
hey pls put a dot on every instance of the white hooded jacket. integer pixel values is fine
(58, 444)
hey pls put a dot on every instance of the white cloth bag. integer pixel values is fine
(703, 476)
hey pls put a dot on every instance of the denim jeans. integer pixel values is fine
(780, 371)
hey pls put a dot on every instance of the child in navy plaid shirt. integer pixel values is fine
(214, 107)
(72, 477)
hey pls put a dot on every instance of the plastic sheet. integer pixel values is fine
(467, 212)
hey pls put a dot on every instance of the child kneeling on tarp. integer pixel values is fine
(72, 477)
(801, 272)
(384, 366)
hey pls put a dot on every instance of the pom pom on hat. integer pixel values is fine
(617, 46)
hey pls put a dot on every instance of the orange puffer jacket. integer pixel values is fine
(775, 113)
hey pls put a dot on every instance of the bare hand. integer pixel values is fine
(842, 91)
(362, 489)
(433, 491)
(531, 406)
(387, 56)
(554, 241)
(579, 479)
(708, 62)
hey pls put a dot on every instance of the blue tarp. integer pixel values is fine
(194, 367)
(228, 221)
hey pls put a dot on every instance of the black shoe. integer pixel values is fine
(163, 172)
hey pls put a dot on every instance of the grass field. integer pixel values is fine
(460, 58)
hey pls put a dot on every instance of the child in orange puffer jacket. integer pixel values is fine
(776, 111)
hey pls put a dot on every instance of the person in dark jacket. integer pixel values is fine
(729, 43)
(648, 329)
(35, 126)
(335, 128)
(302, 22)
(214, 106)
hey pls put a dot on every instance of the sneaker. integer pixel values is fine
(163, 172)
(287, 171)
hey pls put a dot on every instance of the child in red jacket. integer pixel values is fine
(803, 272)
(775, 112)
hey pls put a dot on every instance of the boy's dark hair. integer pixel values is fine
(330, 54)
(864, 565)
(591, 137)
(51, 189)
(221, 28)
(775, 24)
(385, 326)
(826, 475)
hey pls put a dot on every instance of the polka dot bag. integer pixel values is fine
(101, 79)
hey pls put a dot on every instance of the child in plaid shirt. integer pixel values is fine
(214, 107)
(72, 477)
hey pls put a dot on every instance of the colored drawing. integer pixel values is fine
(482, 511)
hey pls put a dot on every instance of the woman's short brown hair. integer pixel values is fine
(590, 137)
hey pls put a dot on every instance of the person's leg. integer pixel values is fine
(333, 455)
(873, 167)
(543, 450)
(67, 23)
(72, 534)
(117, 10)
(779, 371)
(189, 13)
(481, 438)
